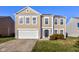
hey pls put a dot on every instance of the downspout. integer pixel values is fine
(41, 25)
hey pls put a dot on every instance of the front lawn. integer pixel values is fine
(67, 45)
(4, 39)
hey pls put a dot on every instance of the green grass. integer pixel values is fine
(56, 45)
(6, 39)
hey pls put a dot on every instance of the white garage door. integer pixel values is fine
(28, 34)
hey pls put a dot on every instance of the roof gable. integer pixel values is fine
(28, 10)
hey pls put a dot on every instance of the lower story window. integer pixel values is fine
(55, 31)
(78, 25)
(61, 31)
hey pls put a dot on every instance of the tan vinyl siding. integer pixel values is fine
(30, 25)
(58, 26)
(30, 13)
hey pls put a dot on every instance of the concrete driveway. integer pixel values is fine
(17, 46)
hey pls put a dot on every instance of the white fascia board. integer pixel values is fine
(34, 10)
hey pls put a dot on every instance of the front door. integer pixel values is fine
(46, 33)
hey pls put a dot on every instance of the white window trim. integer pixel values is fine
(60, 21)
(44, 20)
(55, 20)
(19, 20)
(36, 20)
(25, 20)
(57, 30)
(61, 29)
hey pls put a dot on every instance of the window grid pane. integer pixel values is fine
(78, 25)
(34, 20)
(61, 22)
(55, 21)
(46, 20)
(27, 20)
(21, 21)
(61, 31)
(55, 31)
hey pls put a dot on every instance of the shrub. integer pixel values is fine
(56, 36)
(5, 36)
(12, 35)
(0, 35)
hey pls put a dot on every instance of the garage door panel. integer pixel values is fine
(28, 34)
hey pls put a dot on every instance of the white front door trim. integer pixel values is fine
(43, 32)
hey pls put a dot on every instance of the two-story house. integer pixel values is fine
(7, 26)
(30, 24)
(59, 23)
(73, 27)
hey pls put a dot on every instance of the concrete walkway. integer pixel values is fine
(17, 46)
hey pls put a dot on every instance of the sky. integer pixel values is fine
(68, 11)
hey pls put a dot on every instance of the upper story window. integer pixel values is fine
(78, 25)
(46, 20)
(61, 31)
(55, 21)
(61, 21)
(21, 20)
(34, 20)
(27, 20)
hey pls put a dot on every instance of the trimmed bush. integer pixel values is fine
(5, 36)
(56, 36)
(0, 35)
(12, 35)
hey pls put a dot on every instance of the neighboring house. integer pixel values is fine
(31, 24)
(6, 26)
(60, 25)
(73, 27)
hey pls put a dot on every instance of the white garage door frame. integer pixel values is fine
(28, 34)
